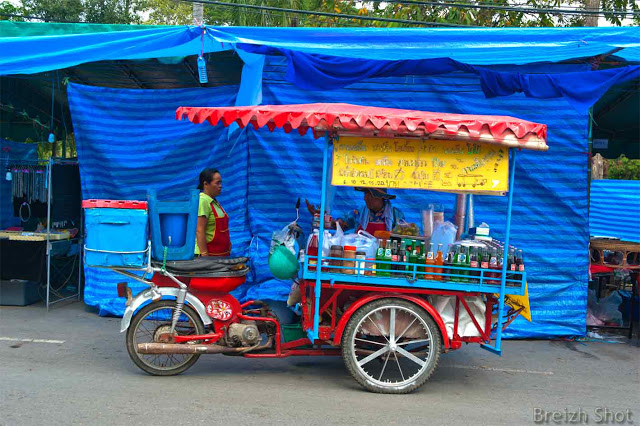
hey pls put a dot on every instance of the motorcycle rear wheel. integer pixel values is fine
(145, 328)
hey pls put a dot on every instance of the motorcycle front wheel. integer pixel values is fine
(149, 324)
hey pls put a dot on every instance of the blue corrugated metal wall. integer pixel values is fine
(615, 209)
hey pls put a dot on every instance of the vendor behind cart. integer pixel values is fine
(212, 231)
(376, 215)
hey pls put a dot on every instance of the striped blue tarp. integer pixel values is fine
(614, 209)
(129, 141)
(264, 174)
(550, 203)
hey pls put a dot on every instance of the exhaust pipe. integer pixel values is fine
(174, 348)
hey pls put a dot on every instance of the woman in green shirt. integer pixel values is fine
(212, 232)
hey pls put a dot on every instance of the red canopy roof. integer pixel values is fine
(367, 121)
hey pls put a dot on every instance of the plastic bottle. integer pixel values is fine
(430, 260)
(361, 257)
(312, 250)
(439, 261)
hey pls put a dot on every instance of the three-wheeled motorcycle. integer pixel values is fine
(390, 328)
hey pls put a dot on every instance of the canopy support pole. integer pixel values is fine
(497, 349)
(313, 334)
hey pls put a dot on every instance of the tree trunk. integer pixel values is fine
(198, 13)
(592, 6)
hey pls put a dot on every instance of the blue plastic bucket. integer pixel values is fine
(173, 229)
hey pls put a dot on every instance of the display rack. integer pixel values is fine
(54, 244)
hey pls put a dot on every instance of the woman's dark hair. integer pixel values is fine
(206, 176)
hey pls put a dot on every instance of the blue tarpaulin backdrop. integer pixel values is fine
(124, 151)
(614, 207)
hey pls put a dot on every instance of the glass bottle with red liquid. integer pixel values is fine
(494, 265)
(312, 250)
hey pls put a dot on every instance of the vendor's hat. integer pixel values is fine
(376, 192)
(283, 264)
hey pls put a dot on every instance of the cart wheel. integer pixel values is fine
(146, 327)
(391, 346)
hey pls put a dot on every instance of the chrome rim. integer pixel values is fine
(391, 346)
(155, 323)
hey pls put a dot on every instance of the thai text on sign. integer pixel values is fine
(438, 165)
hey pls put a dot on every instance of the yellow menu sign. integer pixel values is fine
(438, 165)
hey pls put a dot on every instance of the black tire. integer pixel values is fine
(143, 328)
(363, 338)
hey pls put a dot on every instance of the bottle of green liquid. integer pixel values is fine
(413, 258)
(407, 259)
(422, 260)
(461, 261)
(387, 258)
(380, 257)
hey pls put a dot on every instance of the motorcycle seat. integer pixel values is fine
(207, 266)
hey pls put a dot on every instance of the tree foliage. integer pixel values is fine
(174, 12)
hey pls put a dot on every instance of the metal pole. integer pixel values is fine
(317, 290)
(470, 215)
(505, 253)
(48, 247)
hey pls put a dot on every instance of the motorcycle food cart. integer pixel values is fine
(385, 326)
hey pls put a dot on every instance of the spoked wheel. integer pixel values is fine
(391, 346)
(152, 324)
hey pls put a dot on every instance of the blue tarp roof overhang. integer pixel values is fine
(479, 46)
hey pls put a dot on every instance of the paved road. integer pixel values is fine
(89, 379)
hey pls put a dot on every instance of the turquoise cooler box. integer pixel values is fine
(117, 233)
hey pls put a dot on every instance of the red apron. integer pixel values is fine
(373, 227)
(220, 245)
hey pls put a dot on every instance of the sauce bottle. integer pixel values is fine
(312, 250)
(430, 260)
(439, 261)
